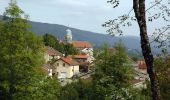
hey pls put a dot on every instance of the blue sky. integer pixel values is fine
(82, 14)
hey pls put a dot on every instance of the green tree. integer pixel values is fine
(112, 73)
(65, 48)
(160, 9)
(69, 49)
(80, 90)
(52, 41)
(162, 67)
(21, 59)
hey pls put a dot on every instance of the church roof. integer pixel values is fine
(82, 44)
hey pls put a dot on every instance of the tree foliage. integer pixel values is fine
(162, 67)
(52, 41)
(113, 73)
(80, 90)
(161, 35)
(21, 59)
(65, 48)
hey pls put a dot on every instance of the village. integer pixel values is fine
(84, 50)
(71, 67)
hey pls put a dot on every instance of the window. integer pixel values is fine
(64, 64)
(57, 64)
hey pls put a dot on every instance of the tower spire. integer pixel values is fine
(68, 36)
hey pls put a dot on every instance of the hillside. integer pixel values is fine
(95, 38)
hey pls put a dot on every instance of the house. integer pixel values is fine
(138, 83)
(142, 67)
(141, 71)
(83, 60)
(84, 47)
(81, 46)
(65, 67)
(141, 75)
(80, 57)
(51, 53)
(48, 69)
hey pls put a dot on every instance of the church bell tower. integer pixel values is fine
(68, 36)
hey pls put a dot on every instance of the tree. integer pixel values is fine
(65, 48)
(70, 50)
(140, 16)
(112, 74)
(52, 41)
(162, 67)
(79, 90)
(139, 9)
(21, 59)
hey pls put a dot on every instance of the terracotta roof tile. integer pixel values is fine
(142, 65)
(69, 61)
(80, 56)
(82, 44)
(136, 81)
(46, 67)
(52, 52)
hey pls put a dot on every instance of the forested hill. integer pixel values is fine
(95, 38)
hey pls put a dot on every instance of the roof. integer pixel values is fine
(46, 67)
(136, 81)
(69, 61)
(80, 56)
(52, 52)
(142, 65)
(82, 44)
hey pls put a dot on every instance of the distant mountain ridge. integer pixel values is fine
(96, 39)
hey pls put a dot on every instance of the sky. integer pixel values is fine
(82, 14)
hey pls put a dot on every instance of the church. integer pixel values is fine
(84, 47)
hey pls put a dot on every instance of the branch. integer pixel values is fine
(130, 11)
(160, 34)
(153, 5)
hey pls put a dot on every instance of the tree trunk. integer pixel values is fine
(139, 9)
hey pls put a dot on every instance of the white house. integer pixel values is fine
(51, 53)
(139, 83)
(48, 69)
(84, 47)
(65, 67)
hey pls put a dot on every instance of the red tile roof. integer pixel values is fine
(142, 65)
(136, 81)
(69, 61)
(80, 56)
(82, 44)
(52, 52)
(46, 67)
